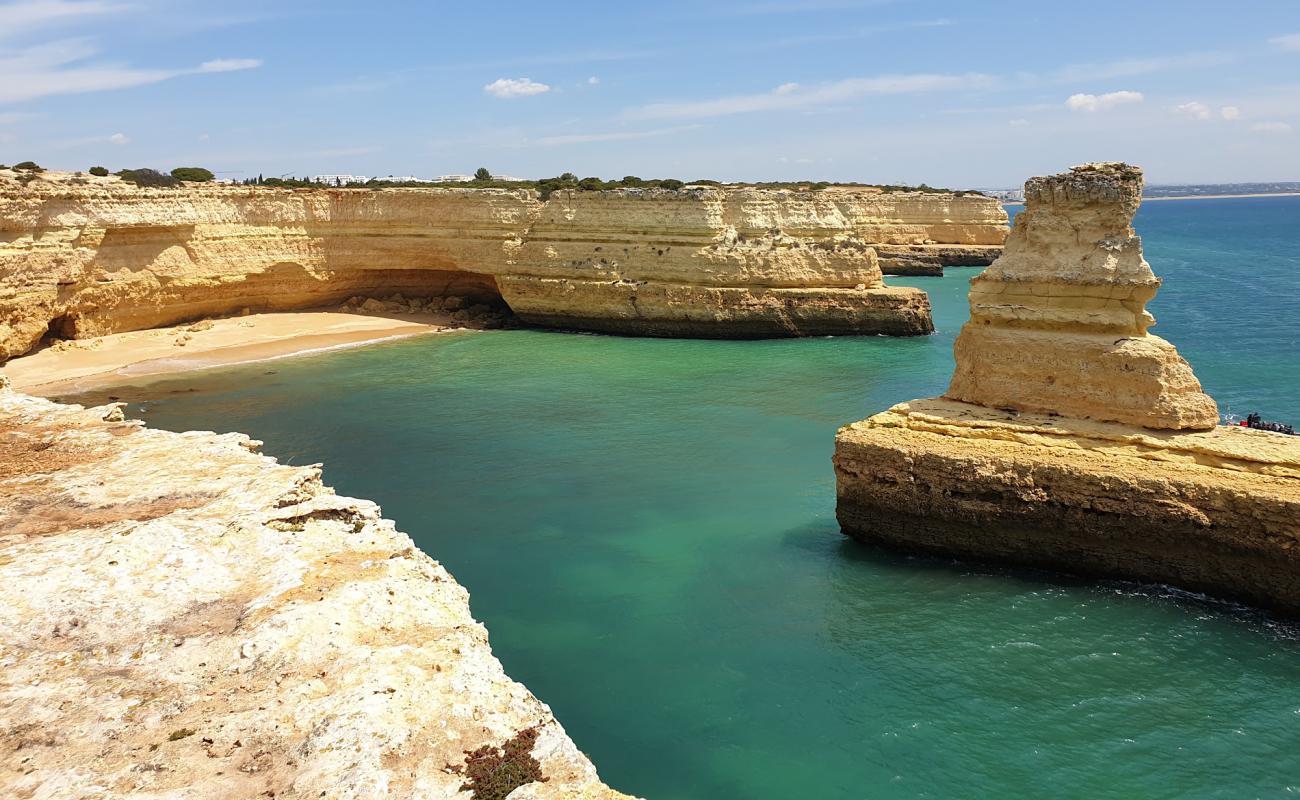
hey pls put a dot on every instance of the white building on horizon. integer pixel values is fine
(468, 178)
(339, 180)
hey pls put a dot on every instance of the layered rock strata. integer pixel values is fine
(920, 233)
(705, 262)
(183, 617)
(1059, 323)
(85, 256)
(1070, 437)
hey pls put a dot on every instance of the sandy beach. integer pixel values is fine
(89, 364)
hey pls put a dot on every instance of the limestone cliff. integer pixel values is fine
(1059, 323)
(182, 617)
(1071, 438)
(85, 256)
(920, 233)
(705, 262)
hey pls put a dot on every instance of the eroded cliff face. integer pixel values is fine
(86, 256)
(920, 233)
(705, 262)
(98, 257)
(1059, 323)
(180, 616)
(1070, 437)
(1208, 511)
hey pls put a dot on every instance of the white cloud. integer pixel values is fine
(1230, 112)
(792, 95)
(1102, 102)
(61, 67)
(1195, 110)
(593, 80)
(25, 15)
(203, 137)
(515, 87)
(1129, 67)
(1271, 127)
(229, 64)
(1291, 41)
(619, 136)
(119, 138)
(1018, 123)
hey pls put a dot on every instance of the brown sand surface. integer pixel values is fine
(89, 364)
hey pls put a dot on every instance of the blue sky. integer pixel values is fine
(942, 91)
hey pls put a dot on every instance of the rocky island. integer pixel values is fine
(1070, 437)
(84, 256)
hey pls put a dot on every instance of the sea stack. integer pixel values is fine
(1070, 438)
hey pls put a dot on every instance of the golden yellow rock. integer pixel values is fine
(182, 617)
(1058, 323)
(86, 256)
(1212, 511)
(1072, 439)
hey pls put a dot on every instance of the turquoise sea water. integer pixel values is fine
(647, 529)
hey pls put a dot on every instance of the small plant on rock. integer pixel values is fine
(492, 773)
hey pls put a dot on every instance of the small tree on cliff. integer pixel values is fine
(147, 177)
(482, 174)
(99, 172)
(193, 174)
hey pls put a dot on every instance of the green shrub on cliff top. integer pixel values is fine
(148, 177)
(100, 172)
(193, 174)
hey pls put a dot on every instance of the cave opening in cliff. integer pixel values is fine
(472, 287)
(61, 327)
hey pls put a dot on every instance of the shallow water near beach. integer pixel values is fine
(647, 529)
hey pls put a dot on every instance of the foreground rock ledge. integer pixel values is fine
(1072, 438)
(1211, 511)
(182, 617)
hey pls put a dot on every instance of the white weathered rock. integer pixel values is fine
(182, 617)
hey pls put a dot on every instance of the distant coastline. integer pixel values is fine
(1192, 197)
